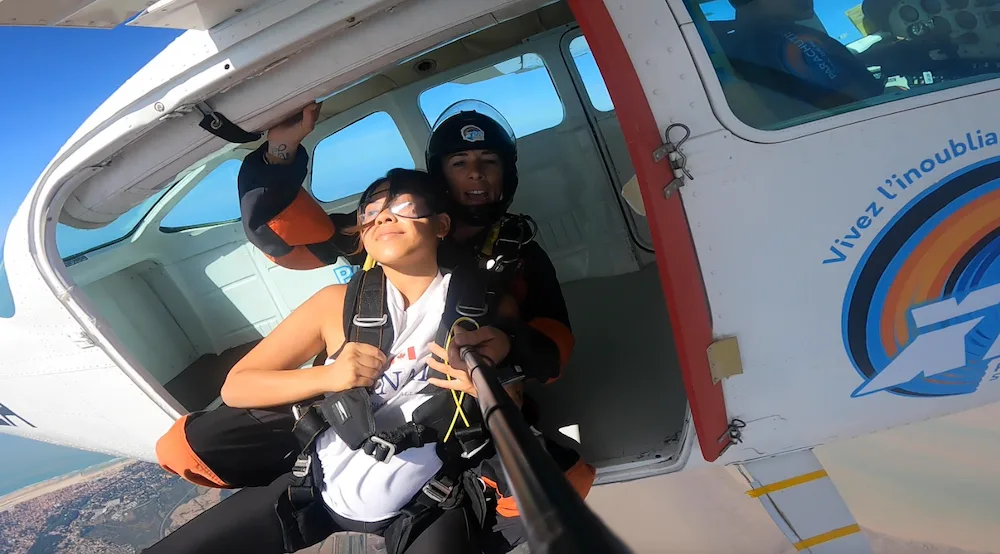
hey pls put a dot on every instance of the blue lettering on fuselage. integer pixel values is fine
(344, 273)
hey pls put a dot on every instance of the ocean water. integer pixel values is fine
(24, 462)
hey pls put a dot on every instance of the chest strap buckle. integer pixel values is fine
(368, 322)
(302, 466)
(377, 445)
(437, 491)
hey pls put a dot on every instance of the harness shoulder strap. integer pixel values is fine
(366, 310)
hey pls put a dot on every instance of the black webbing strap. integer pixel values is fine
(385, 444)
(469, 295)
(369, 318)
(449, 489)
(217, 124)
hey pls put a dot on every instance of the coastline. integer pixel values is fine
(54, 484)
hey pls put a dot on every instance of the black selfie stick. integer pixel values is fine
(557, 519)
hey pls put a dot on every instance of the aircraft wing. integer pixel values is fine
(106, 14)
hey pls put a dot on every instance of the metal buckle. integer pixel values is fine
(471, 311)
(301, 467)
(385, 443)
(370, 321)
(437, 491)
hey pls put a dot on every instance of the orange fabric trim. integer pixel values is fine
(582, 476)
(175, 455)
(299, 258)
(302, 222)
(558, 332)
(506, 505)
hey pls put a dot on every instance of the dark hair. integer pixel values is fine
(400, 181)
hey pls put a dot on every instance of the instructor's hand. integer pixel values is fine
(492, 344)
(358, 365)
(283, 139)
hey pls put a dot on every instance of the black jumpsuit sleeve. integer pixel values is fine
(542, 338)
(284, 221)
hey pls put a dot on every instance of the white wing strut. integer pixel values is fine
(107, 14)
(805, 504)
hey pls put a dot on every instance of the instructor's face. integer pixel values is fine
(475, 177)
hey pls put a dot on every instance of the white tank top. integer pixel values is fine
(355, 485)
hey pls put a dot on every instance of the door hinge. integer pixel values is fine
(678, 161)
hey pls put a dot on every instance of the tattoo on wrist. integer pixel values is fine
(279, 151)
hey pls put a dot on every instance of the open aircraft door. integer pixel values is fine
(680, 275)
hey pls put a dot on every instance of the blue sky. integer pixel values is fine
(53, 79)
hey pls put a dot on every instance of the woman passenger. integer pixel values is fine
(401, 227)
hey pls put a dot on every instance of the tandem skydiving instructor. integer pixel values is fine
(472, 159)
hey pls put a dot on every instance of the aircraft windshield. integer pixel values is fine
(781, 64)
(72, 241)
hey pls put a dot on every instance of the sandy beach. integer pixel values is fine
(58, 483)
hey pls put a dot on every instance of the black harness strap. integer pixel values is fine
(367, 322)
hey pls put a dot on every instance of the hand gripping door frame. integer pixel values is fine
(680, 274)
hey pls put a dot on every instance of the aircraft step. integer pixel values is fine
(804, 503)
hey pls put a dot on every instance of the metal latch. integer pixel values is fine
(734, 434)
(677, 159)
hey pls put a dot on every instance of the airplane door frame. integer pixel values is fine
(680, 274)
(595, 118)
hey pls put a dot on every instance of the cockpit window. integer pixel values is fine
(72, 241)
(785, 62)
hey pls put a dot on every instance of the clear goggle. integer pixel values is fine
(409, 206)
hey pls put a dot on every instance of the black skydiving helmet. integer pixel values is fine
(474, 125)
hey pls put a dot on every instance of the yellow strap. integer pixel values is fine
(787, 483)
(827, 537)
(369, 263)
(491, 239)
(458, 398)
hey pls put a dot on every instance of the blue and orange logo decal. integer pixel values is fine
(921, 317)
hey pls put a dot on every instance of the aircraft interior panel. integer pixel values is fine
(208, 295)
(141, 319)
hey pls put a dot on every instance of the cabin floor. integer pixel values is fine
(199, 384)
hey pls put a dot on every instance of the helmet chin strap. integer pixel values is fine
(480, 216)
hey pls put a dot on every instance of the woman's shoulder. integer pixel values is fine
(331, 295)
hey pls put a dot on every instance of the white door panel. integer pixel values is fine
(227, 295)
(142, 321)
(289, 288)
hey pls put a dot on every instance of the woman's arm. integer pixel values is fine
(262, 378)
